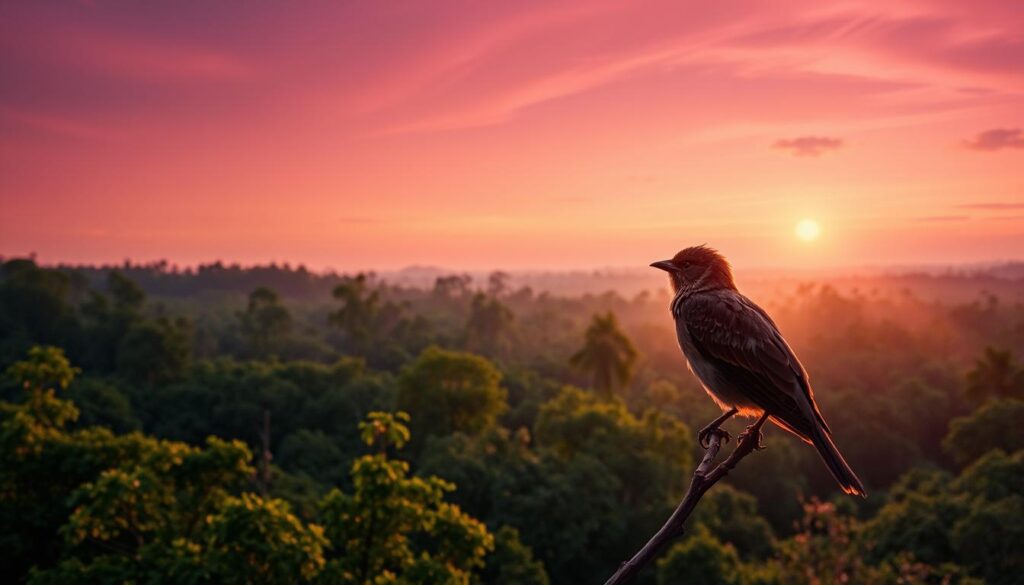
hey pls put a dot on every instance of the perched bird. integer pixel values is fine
(741, 359)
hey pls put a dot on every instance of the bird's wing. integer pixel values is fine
(743, 341)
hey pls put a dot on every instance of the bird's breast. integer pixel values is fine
(715, 382)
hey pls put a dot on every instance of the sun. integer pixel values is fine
(807, 230)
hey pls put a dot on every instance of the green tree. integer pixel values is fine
(447, 391)
(35, 307)
(359, 309)
(89, 506)
(995, 374)
(607, 355)
(109, 317)
(265, 322)
(252, 541)
(700, 560)
(394, 528)
(731, 517)
(512, 562)
(488, 329)
(650, 455)
(976, 520)
(996, 425)
(155, 351)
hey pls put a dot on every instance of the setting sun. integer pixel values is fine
(808, 230)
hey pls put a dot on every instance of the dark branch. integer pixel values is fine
(703, 478)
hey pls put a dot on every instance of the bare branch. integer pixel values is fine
(703, 478)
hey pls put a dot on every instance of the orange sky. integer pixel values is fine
(511, 134)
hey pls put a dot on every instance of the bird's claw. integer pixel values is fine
(705, 434)
(758, 438)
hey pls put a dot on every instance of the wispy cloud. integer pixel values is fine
(992, 206)
(996, 139)
(56, 124)
(499, 106)
(942, 218)
(129, 56)
(808, 145)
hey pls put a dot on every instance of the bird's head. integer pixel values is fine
(697, 266)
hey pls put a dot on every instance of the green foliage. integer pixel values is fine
(154, 352)
(102, 404)
(359, 309)
(731, 516)
(250, 540)
(995, 374)
(974, 521)
(650, 456)
(582, 478)
(488, 329)
(447, 392)
(89, 506)
(46, 368)
(265, 322)
(512, 562)
(396, 528)
(384, 429)
(607, 355)
(313, 453)
(700, 560)
(35, 307)
(996, 425)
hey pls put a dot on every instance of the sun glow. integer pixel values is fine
(807, 230)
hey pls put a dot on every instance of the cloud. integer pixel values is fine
(56, 124)
(996, 139)
(942, 218)
(992, 206)
(808, 145)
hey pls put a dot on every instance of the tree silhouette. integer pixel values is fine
(996, 375)
(358, 311)
(488, 326)
(265, 321)
(607, 354)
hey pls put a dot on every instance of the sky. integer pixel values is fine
(514, 135)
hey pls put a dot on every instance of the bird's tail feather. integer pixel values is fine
(840, 469)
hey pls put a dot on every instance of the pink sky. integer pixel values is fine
(511, 134)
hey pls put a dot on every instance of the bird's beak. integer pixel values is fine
(665, 265)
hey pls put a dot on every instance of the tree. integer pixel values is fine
(497, 283)
(976, 520)
(89, 506)
(996, 425)
(995, 374)
(731, 517)
(489, 324)
(512, 562)
(109, 317)
(700, 560)
(155, 351)
(35, 307)
(265, 321)
(447, 391)
(607, 355)
(358, 311)
(394, 528)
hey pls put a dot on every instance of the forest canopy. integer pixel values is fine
(272, 425)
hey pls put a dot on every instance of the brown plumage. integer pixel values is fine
(741, 359)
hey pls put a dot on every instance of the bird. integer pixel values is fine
(741, 359)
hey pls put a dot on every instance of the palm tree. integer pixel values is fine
(996, 375)
(607, 354)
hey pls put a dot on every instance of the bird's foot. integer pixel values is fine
(758, 437)
(705, 434)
